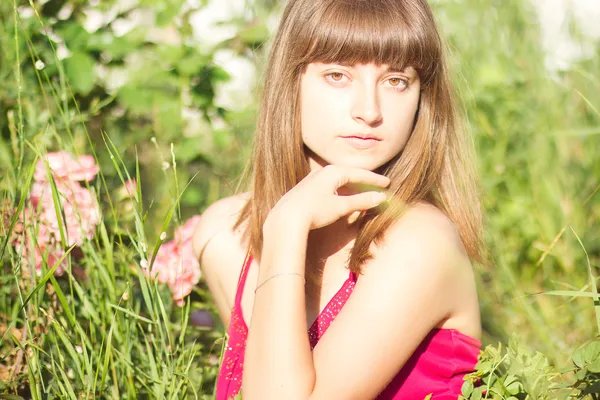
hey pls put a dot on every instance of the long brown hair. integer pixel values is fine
(437, 163)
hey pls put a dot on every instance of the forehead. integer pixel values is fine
(368, 32)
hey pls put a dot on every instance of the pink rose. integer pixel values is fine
(187, 273)
(162, 270)
(80, 208)
(42, 242)
(128, 189)
(64, 166)
(54, 254)
(186, 232)
(176, 265)
(40, 218)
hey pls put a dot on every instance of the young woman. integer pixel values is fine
(345, 269)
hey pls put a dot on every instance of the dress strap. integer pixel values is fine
(242, 278)
(353, 276)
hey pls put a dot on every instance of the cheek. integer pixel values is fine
(317, 112)
(402, 116)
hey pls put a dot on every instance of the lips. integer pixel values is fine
(361, 142)
(364, 137)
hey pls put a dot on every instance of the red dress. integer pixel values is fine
(437, 366)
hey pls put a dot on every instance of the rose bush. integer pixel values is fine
(174, 265)
(41, 237)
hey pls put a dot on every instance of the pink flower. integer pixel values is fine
(64, 166)
(54, 253)
(176, 265)
(40, 219)
(128, 190)
(185, 282)
(80, 209)
(186, 232)
(35, 240)
(167, 257)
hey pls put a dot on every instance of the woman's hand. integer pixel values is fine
(316, 200)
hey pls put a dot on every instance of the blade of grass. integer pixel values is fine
(592, 281)
(132, 314)
(570, 293)
(107, 352)
(19, 209)
(46, 277)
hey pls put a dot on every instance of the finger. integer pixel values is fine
(347, 175)
(355, 188)
(361, 201)
(353, 217)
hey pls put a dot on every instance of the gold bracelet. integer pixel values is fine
(283, 273)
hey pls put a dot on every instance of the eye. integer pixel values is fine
(398, 83)
(335, 76)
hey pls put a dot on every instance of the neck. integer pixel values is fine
(334, 240)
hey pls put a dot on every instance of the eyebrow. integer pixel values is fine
(391, 68)
(407, 70)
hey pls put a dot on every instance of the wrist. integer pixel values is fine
(284, 223)
(283, 237)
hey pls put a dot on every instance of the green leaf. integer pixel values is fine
(169, 54)
(191, 64)
(580, 374)
(478, 393)
(141, 99)
(588, 356)
(80, 72)
(75, 36)
(467, 388)
(117, 47)
(514, 387)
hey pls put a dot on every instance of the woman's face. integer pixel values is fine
(357, 115)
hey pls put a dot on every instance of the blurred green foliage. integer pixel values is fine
(154, 81)
(537, 138)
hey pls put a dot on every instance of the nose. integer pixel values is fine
(366, 107)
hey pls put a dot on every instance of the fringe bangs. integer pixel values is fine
(361, 32)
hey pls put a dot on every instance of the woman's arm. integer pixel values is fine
(278, 360)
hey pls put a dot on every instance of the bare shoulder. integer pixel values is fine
(428, 238)
(431, 250)
(217, 222)
(428, 225)
(220, 249)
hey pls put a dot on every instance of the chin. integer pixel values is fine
(370, 164)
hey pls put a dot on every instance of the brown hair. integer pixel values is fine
(437, 163)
